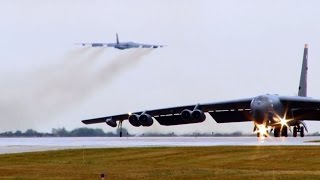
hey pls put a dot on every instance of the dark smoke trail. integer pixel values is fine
(58, 87)
(96, 80)
(37, 96)
(70, 70)
(118, 65)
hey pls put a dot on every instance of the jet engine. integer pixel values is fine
(134, 120)
(186, 114)
(146, 120)
(198, 115)
(193, 116)
(111, 123)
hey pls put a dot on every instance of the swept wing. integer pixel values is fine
(222, 112)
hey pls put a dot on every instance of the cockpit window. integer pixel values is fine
(259, 99)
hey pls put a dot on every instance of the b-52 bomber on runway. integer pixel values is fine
(121, 45)
(267, 112)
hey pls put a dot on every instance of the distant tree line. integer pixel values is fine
(90, 132)
(62, 132)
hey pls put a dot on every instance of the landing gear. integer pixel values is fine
(120, 128)
(302, 131)
(284, 131)
(297, 129)
(276, 132)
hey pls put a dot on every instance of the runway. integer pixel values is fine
(17, 145)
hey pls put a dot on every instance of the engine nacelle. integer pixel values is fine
(193, 116)
(134, 120)
(186, 114)
(146, 120)
(198, 115)
(111, 123)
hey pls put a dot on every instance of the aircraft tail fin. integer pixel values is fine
(117, 38)
(304, 71)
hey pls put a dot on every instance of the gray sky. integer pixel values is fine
(217, 50)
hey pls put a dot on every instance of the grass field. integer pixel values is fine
(255, 162)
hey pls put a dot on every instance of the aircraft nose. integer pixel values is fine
(258, 114)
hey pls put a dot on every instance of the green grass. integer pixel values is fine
(176, 163)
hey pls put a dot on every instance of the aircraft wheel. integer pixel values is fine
(276, 132)
(301, 131)
(284, 131)
(295, 132)
(258, 134)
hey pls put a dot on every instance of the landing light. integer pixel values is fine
(283, 121)
(262, 130)
(129, 113)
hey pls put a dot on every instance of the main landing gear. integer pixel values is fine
(297, 129)
(278, 131)
(120, 128)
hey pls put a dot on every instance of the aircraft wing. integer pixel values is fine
(302, 108)
(222, 112)
(93, 44)
(111, 44)
(149, 45)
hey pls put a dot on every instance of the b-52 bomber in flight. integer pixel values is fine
(267, 112)
(121, 45)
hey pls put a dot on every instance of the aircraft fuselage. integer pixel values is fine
(266, 109)
(126, 45)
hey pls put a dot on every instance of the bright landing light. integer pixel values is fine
(262, 130)
(283, 122)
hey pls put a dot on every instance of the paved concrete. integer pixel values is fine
(16, 145)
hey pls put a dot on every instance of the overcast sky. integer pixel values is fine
(217, 50)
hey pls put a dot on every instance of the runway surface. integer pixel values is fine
(16, 145)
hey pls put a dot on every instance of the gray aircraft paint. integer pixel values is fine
(304, 73)
(121, 45)
(276, 112)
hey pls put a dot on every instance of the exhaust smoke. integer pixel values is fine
(51, 90)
